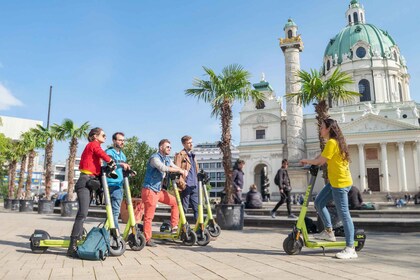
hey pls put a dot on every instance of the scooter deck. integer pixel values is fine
(327, 244)
(65, 243)
(164, 235)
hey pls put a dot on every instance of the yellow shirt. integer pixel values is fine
(338, 168)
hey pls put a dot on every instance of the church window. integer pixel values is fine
(328, 65)
(400, 91)
(260, 104)
(364, 90)
(404, 116)
(289, 34)
(361, 52)
(260, 134)
(356, 18)
(349, 19)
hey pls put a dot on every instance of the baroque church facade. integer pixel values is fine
(382, 126)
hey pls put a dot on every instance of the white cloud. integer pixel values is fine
(7, 99)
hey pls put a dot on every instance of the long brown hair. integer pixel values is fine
(336, 133)
(94, 131)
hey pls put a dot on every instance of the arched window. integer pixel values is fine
(400, 92)
(349, 19)
(355, 17)
(364, 90)
(289, 34)
(328, 65)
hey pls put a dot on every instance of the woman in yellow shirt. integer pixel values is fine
(336, 155)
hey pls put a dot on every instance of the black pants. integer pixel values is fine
(284, 196)
(190, 195)
(83, 198)
(237, 196)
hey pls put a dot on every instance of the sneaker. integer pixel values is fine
(150, 243)
(347, 253)
(174, 229)
(325, 235)
(273, 214)
(291, 216)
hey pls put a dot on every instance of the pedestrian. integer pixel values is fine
(185, 159)
(336, 155)
(90, 169)
(253, 198)
(238, 181)
(355, 199)
(157, 172)
(116, 186)
(282, 180)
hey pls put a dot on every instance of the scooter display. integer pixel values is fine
(132, 234)
(299, 237)
(184, 231)
(40, 240)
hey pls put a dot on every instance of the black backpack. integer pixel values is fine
(277, 178)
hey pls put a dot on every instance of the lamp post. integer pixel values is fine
(48, 125)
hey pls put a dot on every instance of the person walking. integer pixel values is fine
(185, 159)
(238, 181)
(336, 155)
(282, 180)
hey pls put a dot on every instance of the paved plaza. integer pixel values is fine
(254, 253)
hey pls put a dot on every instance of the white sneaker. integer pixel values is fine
(325, 235)
(347, 253)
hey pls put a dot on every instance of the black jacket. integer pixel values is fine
(253, 200)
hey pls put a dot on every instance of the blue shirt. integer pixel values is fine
(118, 158)
(192, 179)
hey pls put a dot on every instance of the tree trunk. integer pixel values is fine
(31, 159)
(48, 167)
(21, 176)
(70, 174)
(12, 176)
(226, 119)
(321, 110)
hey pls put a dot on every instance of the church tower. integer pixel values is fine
(291, 46)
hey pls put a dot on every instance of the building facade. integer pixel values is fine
(381, 126)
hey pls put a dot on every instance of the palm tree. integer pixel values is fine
(34, 141)
(322, 91)
(22, 150)
(221, 91)
(46, 140)
(68, 130)
(12, 156)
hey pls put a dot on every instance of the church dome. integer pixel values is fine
(380, 42)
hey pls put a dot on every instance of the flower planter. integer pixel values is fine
(69, 208)
(26, 205)
(45, 206)
(7, 203)
(15, 204)
(230, 216)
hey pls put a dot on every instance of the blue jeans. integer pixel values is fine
(116, 195)
(340, 197)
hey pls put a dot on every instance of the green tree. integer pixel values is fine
(4, 142)
(12, 157)
(221, 91)
(22, 150)
(68, 130)
(46, 140)
(137, 153)
(320, 90)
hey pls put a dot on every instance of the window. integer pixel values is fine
(213, 165)
(349, 19)
(400, 91)
(205, 165)
(356, 18)
(328, 65)
(260, 134)
(218, 165)
(361, 52)
(364, 90)
(289, 34)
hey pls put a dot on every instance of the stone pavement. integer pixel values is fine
(254, 253)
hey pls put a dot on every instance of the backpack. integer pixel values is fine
(96, 245)
(277, 178)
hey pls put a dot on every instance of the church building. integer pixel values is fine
(382, 126)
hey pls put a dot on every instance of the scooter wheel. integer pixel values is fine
(35, 240)
(117, 246)
(292, 246)
(190, 240)
(203, 237)
(137, 242)
(214, 230)
(360, 245)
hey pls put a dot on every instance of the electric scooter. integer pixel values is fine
(132, 234)
(298, 238)
(209, 223)
(203, 235)
(40, 240)
(184, 231)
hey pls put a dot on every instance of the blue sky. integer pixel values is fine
(124, 65)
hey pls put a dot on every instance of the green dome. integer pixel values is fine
(289, 23)
(380, 41)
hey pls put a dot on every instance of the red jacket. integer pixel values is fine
(90, 163)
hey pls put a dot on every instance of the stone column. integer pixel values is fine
(417, 163)
(384, 167)
(403, 173)
(362, 166)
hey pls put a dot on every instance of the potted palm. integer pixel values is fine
(221, 91)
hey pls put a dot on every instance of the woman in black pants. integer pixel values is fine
(283, 181)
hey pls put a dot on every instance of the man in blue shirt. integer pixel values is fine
(189, 184)
(116, 186)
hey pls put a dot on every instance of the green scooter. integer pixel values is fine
(40, 240)
(298, 238)
(132, 234)
(203, 235)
